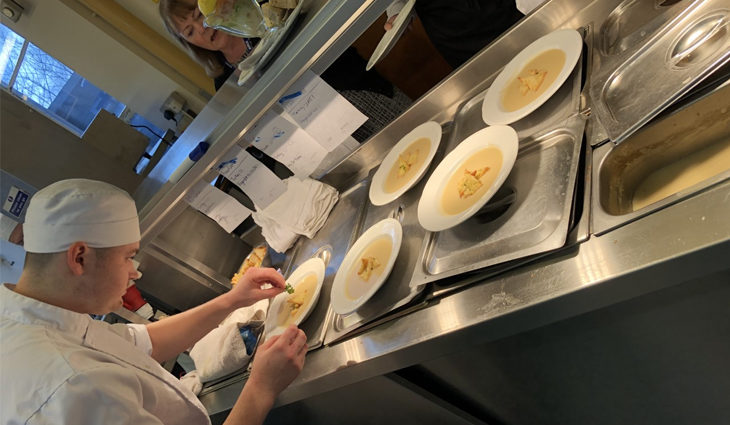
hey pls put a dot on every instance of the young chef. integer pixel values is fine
(58, 366)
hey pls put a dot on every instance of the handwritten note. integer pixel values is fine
(284, 141)
(254, 179)
(328, 117)
(219, 206)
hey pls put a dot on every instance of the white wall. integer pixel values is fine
(80, 45)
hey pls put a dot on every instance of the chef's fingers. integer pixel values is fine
(270, 292)
(389, 23)
(287, 337)
(269, 342)
(266, 275)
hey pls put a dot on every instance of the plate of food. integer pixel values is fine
(392, 35)
(467, 177)
(254, 259)
(279, 16)
(294, 306)
(531, 77)
(366, 266)
(406, 163)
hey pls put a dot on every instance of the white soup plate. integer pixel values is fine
(313, 265)
(567, 40)
(430, 130)
(430, 213)
(390, 228)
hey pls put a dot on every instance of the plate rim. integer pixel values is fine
(320, 271)
(391, 36)
(368, 236)
(434, 185)
(492, 114)
(379, 197)
(274, 37)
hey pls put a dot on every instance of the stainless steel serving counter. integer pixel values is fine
(681, 241)
(671, 246)
(685, 239)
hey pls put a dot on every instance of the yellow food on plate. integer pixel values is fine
(296, 303)
(532, 81)
(207, 6)
(470, 183)
(471, 180)
(406, 167)
(367, 265)
(284, 4)
(406, 162)
(274, 16)
(254, 259)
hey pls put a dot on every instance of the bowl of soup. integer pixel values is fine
(366, 266)
(532, 77)
(467, 177)
(292, 309)
(405, 164)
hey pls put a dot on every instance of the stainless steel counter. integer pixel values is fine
(682, 241)
(671, 246)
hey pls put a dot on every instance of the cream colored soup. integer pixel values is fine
(296, 303)
(407, 165)
(360, 279)
(471, 180)
(533, 79)
(688, 171)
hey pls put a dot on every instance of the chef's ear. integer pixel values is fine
(77, 258)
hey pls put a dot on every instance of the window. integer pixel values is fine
(56, 90)
(50, 86)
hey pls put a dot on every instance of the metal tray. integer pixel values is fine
(680, 43)
(396, 291)
(530, 214)
(331, 244)
(619, 169)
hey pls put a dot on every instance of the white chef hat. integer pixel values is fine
(80, 210)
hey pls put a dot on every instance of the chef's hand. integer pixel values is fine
(248, 289)
(278, 361)
(389, 23)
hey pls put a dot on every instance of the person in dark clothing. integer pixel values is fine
(461, 28)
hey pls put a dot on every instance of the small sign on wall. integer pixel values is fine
(16, 201)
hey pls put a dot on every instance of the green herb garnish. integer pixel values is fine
(289, 289)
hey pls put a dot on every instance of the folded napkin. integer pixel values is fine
(227, 348)
(301, 210)
(191, 381)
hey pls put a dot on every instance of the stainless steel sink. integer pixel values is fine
(618, 170)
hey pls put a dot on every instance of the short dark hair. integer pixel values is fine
(212, 61)
(37, 262)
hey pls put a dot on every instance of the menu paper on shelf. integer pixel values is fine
(254, 179)
(322, 112)
(216, 204)
(287, 143)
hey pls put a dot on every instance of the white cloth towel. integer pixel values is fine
(222, 351)
(191, 381)
(301, 210)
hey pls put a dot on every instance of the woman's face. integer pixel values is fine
(191, 28)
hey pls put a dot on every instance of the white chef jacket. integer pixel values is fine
(62, 367)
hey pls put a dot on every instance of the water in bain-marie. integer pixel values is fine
(471, 180)
(680, 175)
(368, 267)
(296, 303)
(533, 79)
(407, 165)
